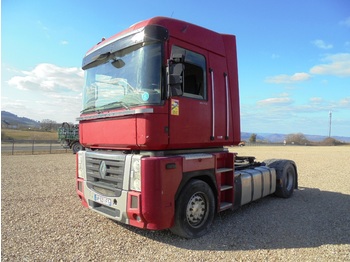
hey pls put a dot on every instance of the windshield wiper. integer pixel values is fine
(107, 106)
(115, 103)
(88, 109)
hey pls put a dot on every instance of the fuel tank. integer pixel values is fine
(253, 184)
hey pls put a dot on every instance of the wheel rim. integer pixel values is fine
(197, 210)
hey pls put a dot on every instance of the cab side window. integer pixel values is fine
(194, 74)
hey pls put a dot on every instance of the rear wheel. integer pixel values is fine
(195, 209)
(286, 176)
(76, 147)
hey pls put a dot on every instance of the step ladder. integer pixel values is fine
(225, 179)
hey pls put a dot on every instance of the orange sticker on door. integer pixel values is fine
(175, 107)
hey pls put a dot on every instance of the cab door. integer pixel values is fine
(190, 111)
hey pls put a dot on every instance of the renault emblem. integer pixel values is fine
(103, 169)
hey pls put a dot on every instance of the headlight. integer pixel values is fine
(135, 176)
(136, 165)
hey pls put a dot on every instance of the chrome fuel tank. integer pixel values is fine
(254, 184)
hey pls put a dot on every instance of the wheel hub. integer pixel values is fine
(196, 210)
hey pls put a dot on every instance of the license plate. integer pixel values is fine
(103, 200)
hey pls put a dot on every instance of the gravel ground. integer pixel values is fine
(42, 219)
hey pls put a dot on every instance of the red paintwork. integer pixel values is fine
(156, 202)
(140, 131)
(159, 186)
(193, 127)
(198, 164)
(185, 31)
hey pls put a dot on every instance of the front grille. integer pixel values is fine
(108, 180)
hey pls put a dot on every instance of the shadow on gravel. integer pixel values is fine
(310, 218)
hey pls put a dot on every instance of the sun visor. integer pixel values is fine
(146, 34)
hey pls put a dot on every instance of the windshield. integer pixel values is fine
(126, 78)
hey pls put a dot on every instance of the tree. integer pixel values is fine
(48, 125)
(297, 139)
(252, 138)
(329, 141)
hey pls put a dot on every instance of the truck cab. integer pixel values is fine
(161, 84)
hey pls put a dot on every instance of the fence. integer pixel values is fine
(264, 144)
(12, 147)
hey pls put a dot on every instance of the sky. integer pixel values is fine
(293, 56)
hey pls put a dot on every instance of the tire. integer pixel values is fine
(194, 210)
(76, 147)
(286, 176)
(65, 125)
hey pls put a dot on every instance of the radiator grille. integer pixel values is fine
(105, 174)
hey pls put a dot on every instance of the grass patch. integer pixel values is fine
(15, 134)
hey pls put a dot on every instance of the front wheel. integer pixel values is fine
(195, 209)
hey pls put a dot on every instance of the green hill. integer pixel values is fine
(9, 120)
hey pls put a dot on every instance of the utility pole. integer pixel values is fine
(330, 123)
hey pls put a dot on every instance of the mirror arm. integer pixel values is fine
(174, 71)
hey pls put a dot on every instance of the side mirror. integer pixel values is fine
(175, 77)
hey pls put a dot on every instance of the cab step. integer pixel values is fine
(225, 205)
(225, 187)
(224, 169)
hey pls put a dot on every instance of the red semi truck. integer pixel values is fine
(160, 107)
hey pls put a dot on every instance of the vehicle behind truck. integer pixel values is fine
(68, 135)
(160, 108)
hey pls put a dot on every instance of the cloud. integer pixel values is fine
(64, 42)
(281, 114)
(69, 106)
(338, 65)
(345, 102)
(288, 79)
(282, 100)
(60, 107)
(12, 105)
(345, 22)
(49, 78)
(316, 100)
(55, 93)
(321, 44)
